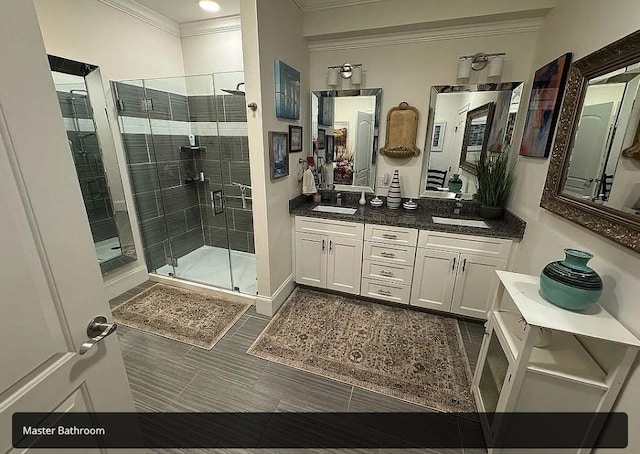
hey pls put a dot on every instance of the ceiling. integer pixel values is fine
(182, 11)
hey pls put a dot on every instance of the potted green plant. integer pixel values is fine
(495, 174)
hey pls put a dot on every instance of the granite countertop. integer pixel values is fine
(510, 226)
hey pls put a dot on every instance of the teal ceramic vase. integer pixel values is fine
(570, 283)
(455, 183)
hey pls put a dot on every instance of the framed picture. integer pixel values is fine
(278, 155)
(295, 138)
(329, 152)
(322, 134)
(497, 133)
(437, 137)
(287, 88)
(326, 110)
(544, 107)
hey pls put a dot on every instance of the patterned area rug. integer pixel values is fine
(414, 356)
(184, 315)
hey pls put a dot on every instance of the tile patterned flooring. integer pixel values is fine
(166, 375)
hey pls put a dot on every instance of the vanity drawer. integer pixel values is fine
(387, 272)
(329, 227)
(400, 255)
(390, 235)
(385, 291)
(468, 244)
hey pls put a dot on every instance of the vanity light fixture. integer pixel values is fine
(209, 5)
(346, 71)
(478, 62)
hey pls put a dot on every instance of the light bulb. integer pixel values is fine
(209, 5)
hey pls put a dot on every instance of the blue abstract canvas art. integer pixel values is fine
(287, 91)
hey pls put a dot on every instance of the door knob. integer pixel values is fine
(97, 330)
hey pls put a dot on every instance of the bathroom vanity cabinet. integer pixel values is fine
(582, 369)
(329, 254)
(456, 273)
(436, 270)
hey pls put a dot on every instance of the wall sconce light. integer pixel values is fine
(346, 71)
(478, 62)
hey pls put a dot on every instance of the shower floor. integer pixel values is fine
(210, 265)
(108, 249)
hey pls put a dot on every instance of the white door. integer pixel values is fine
(311, 259)
(49, 278)
(589, 150)
(363, 149)
(433, 279)
(476, 285)
(344, 265)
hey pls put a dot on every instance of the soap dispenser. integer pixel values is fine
(363, 199)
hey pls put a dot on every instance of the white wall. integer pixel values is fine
(406, 72)
(273, 233)
(124, 47)
(593, 25)
(406, 15)
(212, 46)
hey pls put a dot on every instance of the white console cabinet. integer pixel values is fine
(582, 369)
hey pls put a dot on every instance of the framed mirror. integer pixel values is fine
(591, 180)
(476, 136)
(83, 107)
(345, 125)
(465, 121)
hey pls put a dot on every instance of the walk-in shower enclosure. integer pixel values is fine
(185, 139)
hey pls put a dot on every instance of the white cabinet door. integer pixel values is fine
(433, 279)
(311, 259)
(476, 285)
(344, 265)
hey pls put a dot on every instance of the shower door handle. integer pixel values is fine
(97, 330)
(219, 196)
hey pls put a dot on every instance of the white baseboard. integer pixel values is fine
(221, 293)
(120, 284)
(270, 305)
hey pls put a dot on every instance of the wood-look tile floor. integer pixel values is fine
(166, 375)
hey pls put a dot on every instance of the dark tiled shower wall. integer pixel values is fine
(235, 219)
(90, 169)
(168, 207)
(144, 151)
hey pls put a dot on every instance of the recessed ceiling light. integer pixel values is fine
(209, 5)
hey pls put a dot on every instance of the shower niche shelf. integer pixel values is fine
(185, 149)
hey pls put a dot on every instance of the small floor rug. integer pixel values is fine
(414, 356)
(184, 315)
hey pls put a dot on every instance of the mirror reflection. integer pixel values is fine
(597, 172)
(466, 121)
(82, 103)
(345, 137)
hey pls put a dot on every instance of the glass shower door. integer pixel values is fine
(234, 159)
(189, 164)
(184, 140)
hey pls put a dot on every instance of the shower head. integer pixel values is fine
(237, 91)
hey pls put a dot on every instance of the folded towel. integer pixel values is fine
(308, 183)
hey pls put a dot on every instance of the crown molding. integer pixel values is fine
(438, 34)
(144, 14)
(211, 26)
(317, 5)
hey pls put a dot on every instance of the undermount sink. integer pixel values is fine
(332, 209)
(461, 222)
